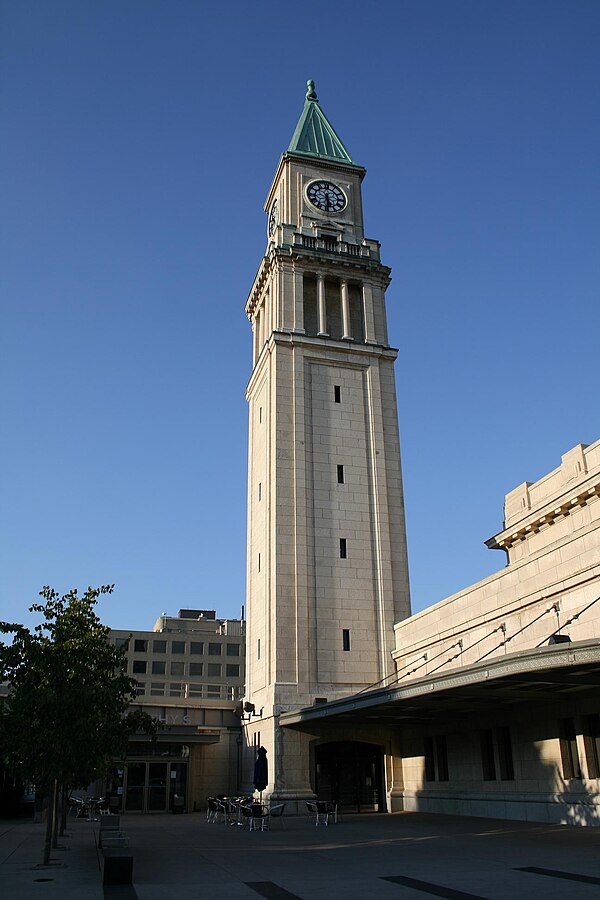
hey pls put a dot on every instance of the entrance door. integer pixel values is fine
(136, 787)
(151, 786)
(157, 787)
(350, 773)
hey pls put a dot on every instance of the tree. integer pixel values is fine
(65, 720)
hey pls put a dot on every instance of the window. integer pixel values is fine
(139, 667)
(158, 668)
(343, 549)
(505, 756)
(487, 754)
(196, 668)
(259, 562)
(178, 647)
(214, 649)
(258, 649)
(157, 689)
(233, 649)
(340, 474)
(337, 393)
(591, 741)
(260, 490)
(568, 749)
(441, 752)
(435, 754)
(177, 668)
(121, 642)
(175, 689)
(429, 759)
(196, 690)
(159, 646)
(232, 671)
(213, 690)
(214, 669)
(346, 639)
(140, 646)
(260, 414)
(196, 648)
(140, 690)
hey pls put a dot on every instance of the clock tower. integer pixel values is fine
(327, 564)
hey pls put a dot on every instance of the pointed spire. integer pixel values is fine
(314, 134)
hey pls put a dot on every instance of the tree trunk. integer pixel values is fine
(49, 822)
(63, 811)
(57, 793)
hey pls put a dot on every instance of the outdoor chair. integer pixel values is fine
(222, 811)
(318, 810)
(332, 811)
(258, 816)
(276, 812)
(212, 810)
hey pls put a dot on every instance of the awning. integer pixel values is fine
(540, 675)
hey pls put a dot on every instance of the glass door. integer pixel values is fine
(136, 787)
(157, 786)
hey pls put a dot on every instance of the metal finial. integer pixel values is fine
(311, 93)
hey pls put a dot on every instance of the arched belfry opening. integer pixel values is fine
(350, 773)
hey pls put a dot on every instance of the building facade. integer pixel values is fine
(494, 705)
(327, 565)
(485, 703)
(190, 671)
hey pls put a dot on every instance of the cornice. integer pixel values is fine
(546, 516)
(330, 264)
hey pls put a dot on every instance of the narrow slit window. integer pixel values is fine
(346, 639)
(259, 562)
(258, 649)
(340, 474)
(260, 414)
(260, 490)
(337, 393)
(343, 549)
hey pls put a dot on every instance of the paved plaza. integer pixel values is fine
(407, 856)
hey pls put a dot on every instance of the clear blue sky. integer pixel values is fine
(139, 139)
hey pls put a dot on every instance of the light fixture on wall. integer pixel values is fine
(559, 639)
(250, 711)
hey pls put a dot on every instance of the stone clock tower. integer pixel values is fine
(327, 564)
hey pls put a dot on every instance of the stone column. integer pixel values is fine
(299, 301)
(254, 342)
(368, 317)
(261, 329)
(321, 305)
(346, 330)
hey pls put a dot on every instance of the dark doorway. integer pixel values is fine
(350, 773)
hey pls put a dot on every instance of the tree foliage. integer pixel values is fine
(66, 715)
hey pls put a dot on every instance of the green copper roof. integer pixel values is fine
(314, 134)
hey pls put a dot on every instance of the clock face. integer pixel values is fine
(326, 195)
(273, 218)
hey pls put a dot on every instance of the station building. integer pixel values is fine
(190, 673)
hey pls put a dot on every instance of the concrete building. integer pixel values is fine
(190, 671)
(486, 703)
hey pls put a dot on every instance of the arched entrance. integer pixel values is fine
(350, 773)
